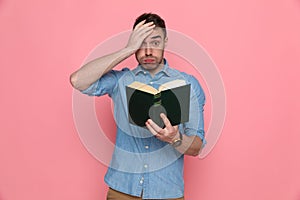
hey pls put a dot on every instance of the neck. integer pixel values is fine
(156, 70)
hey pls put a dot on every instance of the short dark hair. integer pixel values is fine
(151, 17)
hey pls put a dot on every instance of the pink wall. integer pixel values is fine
(255, 44)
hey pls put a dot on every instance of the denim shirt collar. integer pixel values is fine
(165, 69)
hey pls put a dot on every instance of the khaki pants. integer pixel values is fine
(115, 195)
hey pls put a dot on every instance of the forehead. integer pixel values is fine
(154, 35)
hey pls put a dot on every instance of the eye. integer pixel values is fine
(155, 43)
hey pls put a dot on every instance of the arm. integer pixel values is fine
(92, 71)
(191, 145)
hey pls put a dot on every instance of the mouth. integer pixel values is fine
(148, 60)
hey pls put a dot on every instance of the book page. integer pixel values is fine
(143, 87)
(172, 84)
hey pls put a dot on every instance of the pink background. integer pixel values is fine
(255, 44)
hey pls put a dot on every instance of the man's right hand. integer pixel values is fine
(140, 32)
(93, 70)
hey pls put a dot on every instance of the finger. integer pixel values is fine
(140, 24)
(148, 24)
(143, 24)
(150, 128)
(165, 120)
(157, 128)
(142, 33)
(142, 30)
(146, 34)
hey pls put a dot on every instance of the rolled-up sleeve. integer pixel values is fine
(195, 125)
(106, 84)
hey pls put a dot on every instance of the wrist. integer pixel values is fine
(130, 49)
(177, 140)
(176, 136)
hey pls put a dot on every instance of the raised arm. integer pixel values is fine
(92, 71)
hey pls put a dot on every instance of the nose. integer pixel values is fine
(148, 51)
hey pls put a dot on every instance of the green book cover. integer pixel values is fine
(144, 102)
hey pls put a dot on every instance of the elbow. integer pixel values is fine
(195, 149)
(75, 81)
(195, 152)
(192, 152)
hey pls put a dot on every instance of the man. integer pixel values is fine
(147, 162)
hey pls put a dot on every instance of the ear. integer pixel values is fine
(166, 41)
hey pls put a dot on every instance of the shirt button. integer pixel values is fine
(146, 147)
(145, 166)
(151, 83)
(142, 180)
(145, 72)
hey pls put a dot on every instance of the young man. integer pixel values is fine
(147, 163)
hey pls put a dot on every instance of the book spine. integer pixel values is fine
(157, 99)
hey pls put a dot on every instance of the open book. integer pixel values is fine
(171, 98)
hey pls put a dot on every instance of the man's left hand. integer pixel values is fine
(167, 134)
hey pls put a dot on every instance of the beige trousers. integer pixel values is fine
(115, 195)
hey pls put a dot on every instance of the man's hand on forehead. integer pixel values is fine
(141, 31)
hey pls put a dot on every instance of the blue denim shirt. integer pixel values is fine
(141, 164)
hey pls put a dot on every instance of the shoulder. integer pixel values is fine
(189, 78)
(118, 73)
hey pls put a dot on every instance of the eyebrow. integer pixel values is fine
(157, 36)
